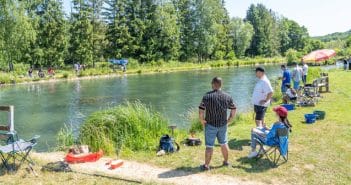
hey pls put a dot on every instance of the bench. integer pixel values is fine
(321, 82)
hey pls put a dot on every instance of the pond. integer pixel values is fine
(44, 108)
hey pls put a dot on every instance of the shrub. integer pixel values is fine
(313, 73)
(132, 125)
(231, 55)
(65, 75)
(219, 55)
(5, 79)
(292, 56)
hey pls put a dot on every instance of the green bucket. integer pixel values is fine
(320, 114)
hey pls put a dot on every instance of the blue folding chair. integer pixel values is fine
(278, 151)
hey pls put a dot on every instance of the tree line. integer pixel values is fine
(42, 33)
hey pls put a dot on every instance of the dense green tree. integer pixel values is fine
(348, 42)
(81, 29)
(186, 19)
(291, 35)
(265, 41)
(313, 44)
(16, 33)
(52, 37)
(211, 26)
(241, 33)
(167, 41)
(118, 36)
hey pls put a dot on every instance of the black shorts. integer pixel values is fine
(260, 112)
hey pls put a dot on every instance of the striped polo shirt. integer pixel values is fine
(216, 103)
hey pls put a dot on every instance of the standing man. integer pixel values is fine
(304, 72)
(285, 79)
(297, 75)
(261, 96)
(216, 103)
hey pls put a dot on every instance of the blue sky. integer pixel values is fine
(321, 17)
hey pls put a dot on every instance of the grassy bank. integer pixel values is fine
(20, 74)
(319, 153)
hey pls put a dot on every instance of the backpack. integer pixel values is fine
(192, 141)
(167, 144)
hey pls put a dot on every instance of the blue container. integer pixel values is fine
(310, 118)
(289, 107)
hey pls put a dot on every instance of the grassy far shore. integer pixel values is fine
(320, 153)
(20, 75)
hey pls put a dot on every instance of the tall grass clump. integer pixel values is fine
(65, 138)
(132, 126)
(195, 124)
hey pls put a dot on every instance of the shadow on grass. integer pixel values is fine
(254, 165)
(235, 144)
(184, 171)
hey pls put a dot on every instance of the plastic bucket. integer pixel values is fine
(289, 107)
(310, 118)
(320, 114)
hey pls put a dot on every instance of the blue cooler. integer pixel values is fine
(289, 107)
(310, 118)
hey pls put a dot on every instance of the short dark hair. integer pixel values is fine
(217, 80)
(261, 69)
(283, 66)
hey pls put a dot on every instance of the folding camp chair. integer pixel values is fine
(14, 154)
(275, 152)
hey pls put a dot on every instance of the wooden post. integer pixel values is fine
(10, 116)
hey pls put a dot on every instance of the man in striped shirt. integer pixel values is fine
(214, 106)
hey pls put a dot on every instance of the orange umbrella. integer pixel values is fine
(319, 55)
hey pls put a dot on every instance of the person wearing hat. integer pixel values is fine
(261, 96)
(268, 136)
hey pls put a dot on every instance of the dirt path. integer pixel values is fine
(132, 170)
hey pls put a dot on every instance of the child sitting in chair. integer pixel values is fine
(290, 94)
(268, 136)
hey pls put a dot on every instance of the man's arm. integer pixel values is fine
(202, 108)
(231, 116)
(202, 116)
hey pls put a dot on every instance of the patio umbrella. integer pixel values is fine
(319, 55)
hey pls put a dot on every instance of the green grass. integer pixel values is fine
(320, 153)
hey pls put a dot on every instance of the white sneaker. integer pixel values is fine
(252, 155)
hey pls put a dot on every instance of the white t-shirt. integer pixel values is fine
(262, 89)
(297, 74)
(305, 69)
